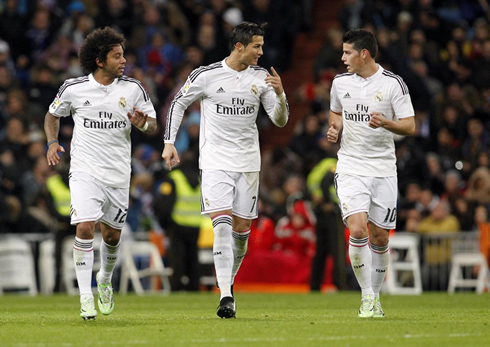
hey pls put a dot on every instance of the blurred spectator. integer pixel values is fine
(12, 24)
(43, 86)
(5, 58)
(295, 233)
(7, 82)
(305, 142)
(478, 187)
(328, 228)
(115, 14)
(478, 138)
(435, 179)
(406, 203)
(33, 181)
(281, 30)
(59, 193)
(40, 34)
(329, 55)
(178, 205)
(351, 14)
(145, 159)
(262, 231)
(427, 202)
(438, 253)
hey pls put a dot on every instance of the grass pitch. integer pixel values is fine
(432, 319)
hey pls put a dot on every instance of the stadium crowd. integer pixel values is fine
(440, 48)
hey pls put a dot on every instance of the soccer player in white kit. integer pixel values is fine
(230, 92)
(104, 105)
(369, 104)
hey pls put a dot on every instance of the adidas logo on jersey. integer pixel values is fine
(347, 96)
(87, 103)
(220, 90)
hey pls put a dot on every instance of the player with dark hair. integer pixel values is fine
(369, 104)
(104, 105)
(230, 92)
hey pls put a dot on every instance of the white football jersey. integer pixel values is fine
(101, 143)
(230, 100)
(365, 151)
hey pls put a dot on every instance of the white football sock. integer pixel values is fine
(83, 257)
(360, 258)
(239, 245)
(223, 253)
(108, 259)
(381, 259)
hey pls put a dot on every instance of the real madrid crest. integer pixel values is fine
(254, 90)
(122, 103)
(378, 97)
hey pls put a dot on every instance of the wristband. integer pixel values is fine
(51, 142)
(144, 127)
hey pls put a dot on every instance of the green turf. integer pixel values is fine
(433, 319)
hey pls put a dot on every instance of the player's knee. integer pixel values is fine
(242, 225)
(381, 239)
(112, 238)
(358, 232)
(86, 230)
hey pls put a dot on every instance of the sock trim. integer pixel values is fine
(379, 249)
(242, 236)
(226, 219)
(358, 242)
(83, 245)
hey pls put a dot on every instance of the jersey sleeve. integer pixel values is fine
(401, 101)
(61, 105)
(143, 102)
(276, 106)
(335, 105)
(192, 90)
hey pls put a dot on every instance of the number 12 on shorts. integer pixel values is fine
(121, 216)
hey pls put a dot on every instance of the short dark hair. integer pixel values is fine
(244, 32)
(97, 45)
(362, 39)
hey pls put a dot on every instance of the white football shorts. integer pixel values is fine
(376, 196)
(93, 201)
(228, 190)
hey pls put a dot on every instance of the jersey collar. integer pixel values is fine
(101, 86)
(229, 69)
(374, 77)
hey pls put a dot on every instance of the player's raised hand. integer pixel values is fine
(333, 133)
(274, 81)
(170, 155)
(52, 153)
(137, 118)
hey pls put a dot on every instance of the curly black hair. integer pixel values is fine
(97, 45)
(244, 32)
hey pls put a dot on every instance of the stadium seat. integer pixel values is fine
(135, 254)
(205, 256)
(46, 267)
(404, 275)
(17, 273)
(457, 278)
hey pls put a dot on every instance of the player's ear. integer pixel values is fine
(99, 63)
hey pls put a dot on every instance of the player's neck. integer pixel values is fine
(234, 63)
(103, 78)
(369, 69)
